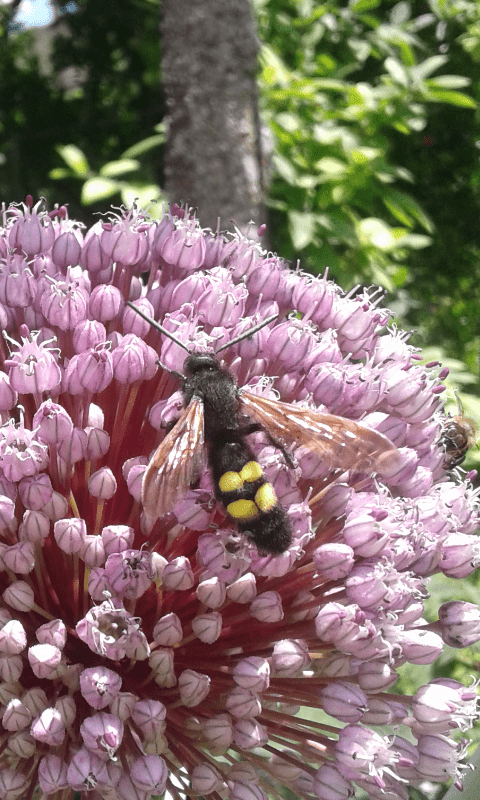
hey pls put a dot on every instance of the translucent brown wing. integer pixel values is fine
(177, 462)
(340, 443)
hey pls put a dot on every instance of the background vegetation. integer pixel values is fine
(373, 120)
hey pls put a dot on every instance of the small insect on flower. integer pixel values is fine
(218, 418)
(458, 436)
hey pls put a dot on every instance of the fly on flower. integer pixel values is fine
(217, 419)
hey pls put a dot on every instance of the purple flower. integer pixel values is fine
(141, 655)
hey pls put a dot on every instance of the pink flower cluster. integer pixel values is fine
(141, 656)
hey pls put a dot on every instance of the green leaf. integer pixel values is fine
(425, 68)
(381, 278)
(285, 168)
(290, 122)
(60, 172)
(358, 6)
(332, 166)
(454, 98)
(75, 159)
(417, 241)
(449, 81)
(113, 168)
(302, 228)
(142, 195)
(405, 208)
(144, 146)
(397, 71)
(274, 70)
(400, 276)
(400, 13)
(360, 155)
(329, 83)
(98, 189)
(376, 232)
(360, 48)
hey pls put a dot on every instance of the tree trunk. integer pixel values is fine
(213, 157)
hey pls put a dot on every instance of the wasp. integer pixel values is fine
(214, 428)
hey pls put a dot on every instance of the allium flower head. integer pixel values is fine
(140, 656)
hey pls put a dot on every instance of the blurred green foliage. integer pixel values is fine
(373, 129)
(348, 91)
(373, 107)
(92, 81)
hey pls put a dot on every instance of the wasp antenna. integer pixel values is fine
(159, 327)
(248, 333)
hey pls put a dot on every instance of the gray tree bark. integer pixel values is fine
(213, 157)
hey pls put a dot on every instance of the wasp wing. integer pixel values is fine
(176, 463)
(341, 443)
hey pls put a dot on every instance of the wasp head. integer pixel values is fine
(200, 362)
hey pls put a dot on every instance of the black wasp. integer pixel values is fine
(218, 417)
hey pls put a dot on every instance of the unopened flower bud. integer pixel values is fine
(178, 575)
(193, 686)
(66, 249)
(211, 592)
(206, 779)
(49, 727)
(52, 422)
(13, 638)
(218, 730)
(102, 484)
(252, 673)
(13, 784)
(11, 667)
(329, 784)
(421, 647)
(52, 774)
(267, 607)
(168, 630)
(35, 491)
(289, 657)
(70, 534)
(333, 560)
(72, 448)
(343, 700)
(162, 663)
(44, 659)
(20, 558)
(242, 703)
(105, 302)
(207, 627)
(242, 590)
(149, 715)
(122, 703)
(248, 734)
(16, 716)
(149, 773)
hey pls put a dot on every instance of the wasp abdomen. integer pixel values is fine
(248, 497)
(246, 494)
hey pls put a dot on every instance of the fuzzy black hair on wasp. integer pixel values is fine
(217, 419)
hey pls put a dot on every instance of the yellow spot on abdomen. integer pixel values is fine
(243, 509)
(265, 498)
(230, 481)
(251, 472)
